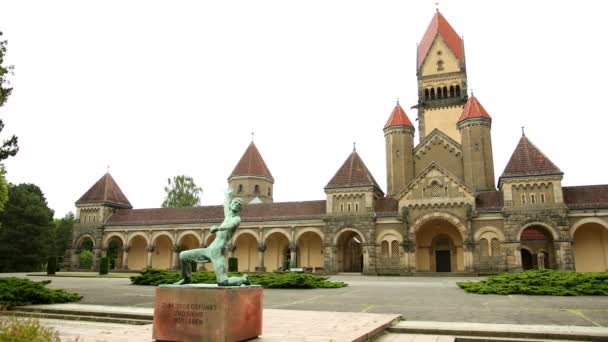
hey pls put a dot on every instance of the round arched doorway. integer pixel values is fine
(537, 250)
(350, 252)
(439, 247)
(590, 248)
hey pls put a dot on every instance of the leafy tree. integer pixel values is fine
(3, 188)
(86, 259)
(25, 229)
(62, 234)
(9, 147)
(181, 192)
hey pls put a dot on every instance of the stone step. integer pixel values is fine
(146, 315)
(501, 332)
(75, 317)
(444, 274)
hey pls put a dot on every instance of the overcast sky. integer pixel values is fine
(156, 89)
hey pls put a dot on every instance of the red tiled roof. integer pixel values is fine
(586, 196)
(251, 164)
(439, 26)
(398, 118)
(105, 190)
(528, 160)
(353, 173)
(489, 200)
(215, 213)
(473, 109)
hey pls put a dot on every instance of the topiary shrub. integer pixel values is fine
(541, 282)
(86, 259)
(19, 291)
(26, 330)
(104, 265)
(51, 265)
(59, 264)
(277, 280)
(233, 264)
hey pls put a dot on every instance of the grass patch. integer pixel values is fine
(26, 330)
(543, 283)
(19, 291)
(277, 280)
(84, 275)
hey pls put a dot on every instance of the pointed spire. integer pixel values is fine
(353, 173)
(398, 118)
(105, 191)
(251, 164)
(529, 160)
(523, 133)
(473, 109)
(440, 26)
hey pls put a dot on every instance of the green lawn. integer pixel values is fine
(84, 274)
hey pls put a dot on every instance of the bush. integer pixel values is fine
(26, 330)
(19, 291)
(277, 280)
(541, 282)
(86, 259)
(233, 264)
(51, 266)
(59, 264)
(104, 265)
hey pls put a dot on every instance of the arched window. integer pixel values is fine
(341, 208)
(426, 94)
(269, 192)
(439, 94)
(495, 247)
(395, 249)
(457, 90)
(384, 249)
(256, 189)
(542, 198)
(451, 91)
(436, 189)
(523, 198)
(348, 207)
(432, 93)
(356, 207)
(240, 189)
(483, 247)
(532, 198)
(445, 91)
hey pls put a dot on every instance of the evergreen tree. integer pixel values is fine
(9, 147)
(181, 192)
(62, 234)
(25, 229)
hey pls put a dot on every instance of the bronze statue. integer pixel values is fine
(214, 253)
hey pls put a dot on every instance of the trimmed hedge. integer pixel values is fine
(277, 280)
(51, 266)
(542, 282)
(19, 291)
(104, 265)
(233, 264)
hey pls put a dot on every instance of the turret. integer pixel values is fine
(474, 125)
(399, 141)
(251, 180)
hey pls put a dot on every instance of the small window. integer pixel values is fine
(440, 65)
(483, 247)
(384, 249)
(268, 191)
(394, 249)
(357, 207)
(240, 189)
(426, 94)
(398, 153)
(432, 93)
(542, 198)
(523, 198)
(256, 189)
(495, 247)
(451, 91)
(532, 199)
(348, 207)
(341, 208)
(457, 90)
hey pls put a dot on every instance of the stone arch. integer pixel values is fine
(156, 236)
(349, 250)
(282, 231)
(419, 223)
(587, 220)
(277, 245)
(382, 235)
(309, 249)
(162, 255)
(253, 233)
(246, 250)
(303, 231)
(120, 236)
(84, 237)
(184, 233)
(547, 227)
(136, 234)
(346, 229)
(191, 237)
(489, 229)
(137, 245)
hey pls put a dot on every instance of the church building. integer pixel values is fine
(443, 210)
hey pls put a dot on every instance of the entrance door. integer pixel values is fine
(526, 260)
(442, 258)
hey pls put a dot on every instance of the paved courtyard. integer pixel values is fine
(415, 298)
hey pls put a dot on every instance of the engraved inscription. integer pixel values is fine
(189, 313)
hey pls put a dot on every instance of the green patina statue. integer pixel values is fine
(214, 253)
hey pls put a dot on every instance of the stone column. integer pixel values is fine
(176, 251)
(149, 256)
(104, 252)
(540, 260)
(409, 247)
(292, 256)
(96, 257)
(125, 258)
(469, 247)
(261, 250)
(329, 258)
(76, 258)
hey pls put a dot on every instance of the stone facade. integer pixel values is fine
(442, 212)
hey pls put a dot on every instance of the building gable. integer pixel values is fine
(439, 148)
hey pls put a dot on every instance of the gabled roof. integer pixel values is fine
(105, 190)
(473, 109)
(398, 118)
(438, 135)
(353, 173)
(440, 26)
(528, 160)
(586, 196)
(423, 174)
(251, 164)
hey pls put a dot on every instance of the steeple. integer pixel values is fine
(399, 142)
(473, 109)
(251, 179)
(442, 78)
(528, 160)
(353, 173)
(105, 191)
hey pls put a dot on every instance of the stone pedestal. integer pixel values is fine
(202, 312)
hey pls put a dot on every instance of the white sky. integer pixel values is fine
(156, 89)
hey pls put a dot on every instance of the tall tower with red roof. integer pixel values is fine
(475, 124)
(399, 141)
(251, 180)
(442, 79)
